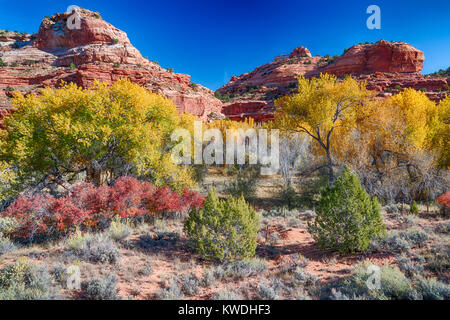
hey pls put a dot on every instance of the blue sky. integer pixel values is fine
(213, 40)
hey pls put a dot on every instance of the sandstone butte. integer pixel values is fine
(387, 67)
(97, 50)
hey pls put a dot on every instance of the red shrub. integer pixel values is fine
(192, 199)
(65, 215)
(164, 200)
(87, 196)
(126, 197)
(444, 199)
(89, 207)
(45, 216)
(30, 215)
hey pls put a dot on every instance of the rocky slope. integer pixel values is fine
(387, 67)
(97, 50)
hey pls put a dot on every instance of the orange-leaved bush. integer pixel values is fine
(444, 201)
(88, 207)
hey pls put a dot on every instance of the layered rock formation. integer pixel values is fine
(97, 50)
(387, 67)
(382, 56)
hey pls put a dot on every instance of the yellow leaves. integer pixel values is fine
(186, 121)
(322, 104)
(224, 125)
(440, 141)
(405, 124)
(417, 112)
(7, 178)
(66, 128)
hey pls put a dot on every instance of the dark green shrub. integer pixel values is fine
(414, 209)
(289, 198)
(347, 218)
(115, 41)
(223, 229)
(310, 190)
(245, 182)
(224, 98)
(116, 65)
(73, 66)
(2, 63)
(29, 62)
(292, 85)
(200, 171)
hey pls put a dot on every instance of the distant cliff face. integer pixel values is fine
(385, 66)
(382, 56)
(97, 50)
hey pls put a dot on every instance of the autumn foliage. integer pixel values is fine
(91, 208)
(100, 133)
(444, 199)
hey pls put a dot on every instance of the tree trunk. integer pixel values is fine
(330, 168)
(94, 174)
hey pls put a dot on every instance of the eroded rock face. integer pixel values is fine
(280, 73)
(96, 51)
(260, 111)
(60, 31)
(387, 67)
(300, 52)
(382, 56)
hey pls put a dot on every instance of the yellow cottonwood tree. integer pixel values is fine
(405, 124)
(441, 139)
(322, 106)
(399, 145)
(103, 131)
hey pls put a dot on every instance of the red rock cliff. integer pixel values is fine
(97, 50)
(385, 66)
(382, 56)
